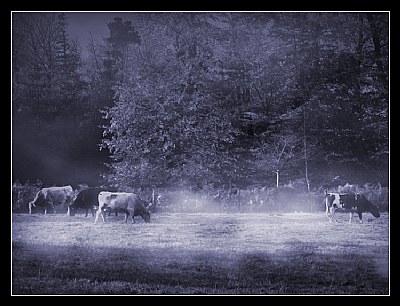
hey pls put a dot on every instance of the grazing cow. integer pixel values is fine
(354, 202)
(50, 196)
(129, 203)
(349, 202)
(87, 199)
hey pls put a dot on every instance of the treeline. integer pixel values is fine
(204, 99)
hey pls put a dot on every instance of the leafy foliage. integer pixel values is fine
(214, 98)
(233, 97)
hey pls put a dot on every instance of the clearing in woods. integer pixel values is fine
(196, 254)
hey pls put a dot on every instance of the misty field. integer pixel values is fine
(204, 253)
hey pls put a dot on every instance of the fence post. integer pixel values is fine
(239, 198)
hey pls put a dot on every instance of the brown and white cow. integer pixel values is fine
(48, 197)
(129, 203)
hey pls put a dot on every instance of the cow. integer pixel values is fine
(130, 203)
(348, 202)
(332, 202)
(47, 198)
(358, 203)
(87, 199)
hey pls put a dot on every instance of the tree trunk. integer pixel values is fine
(305, 148)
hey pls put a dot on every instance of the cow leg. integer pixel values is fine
(332, 209)
(350, 216)
(53, 208)
(97, 216)
(126, 217)
(30, 207)
(103, 216)
(131, 212)
(68, 211)
(92, 211)
(327, 214)
(87, 211)
(99, 212)
(360, 216)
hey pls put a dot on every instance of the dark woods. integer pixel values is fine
(202, 99)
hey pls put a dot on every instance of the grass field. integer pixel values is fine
(196, 254)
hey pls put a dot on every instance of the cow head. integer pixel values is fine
(71, 211)
(146, 214)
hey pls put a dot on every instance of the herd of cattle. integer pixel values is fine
(110, 199)
(95, 198)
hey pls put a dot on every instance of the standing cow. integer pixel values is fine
(87, 199)
(129, 203)
(47, 198)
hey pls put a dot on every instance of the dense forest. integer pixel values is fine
(195, 99)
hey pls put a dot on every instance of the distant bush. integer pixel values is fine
(256, 199)
(23, 194)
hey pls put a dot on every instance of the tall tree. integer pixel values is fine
(47, 91)
(166, 108)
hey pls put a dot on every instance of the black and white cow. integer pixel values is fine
(358, 203)
(348, 202)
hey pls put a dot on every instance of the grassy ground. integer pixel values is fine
(279, 254)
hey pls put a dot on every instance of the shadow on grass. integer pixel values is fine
(44, 269)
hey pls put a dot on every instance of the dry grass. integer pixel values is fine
(200, 254)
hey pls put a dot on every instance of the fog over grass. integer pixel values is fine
(203, 253)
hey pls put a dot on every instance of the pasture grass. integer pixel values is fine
(199, 254)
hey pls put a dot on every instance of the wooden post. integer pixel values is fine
(277, 178)
(239, 198)
(305, 148)
(277, 190)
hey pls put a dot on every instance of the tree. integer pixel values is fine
(211, 97)
(48, 92)
(164, 126)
